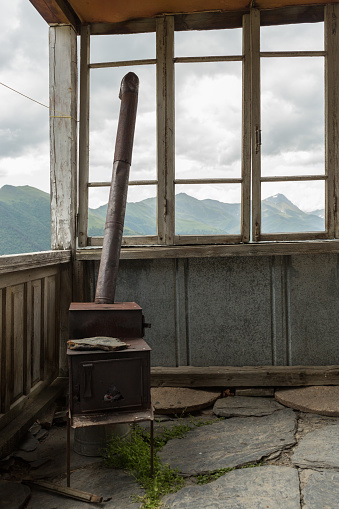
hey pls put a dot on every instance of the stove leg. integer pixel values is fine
(152, 448)
(68, 452)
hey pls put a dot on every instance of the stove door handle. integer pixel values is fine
(87, 380)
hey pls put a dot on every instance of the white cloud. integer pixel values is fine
(24, 148)
(208, 109)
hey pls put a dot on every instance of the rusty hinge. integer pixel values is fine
(257, 139)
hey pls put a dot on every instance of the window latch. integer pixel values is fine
(257, 139)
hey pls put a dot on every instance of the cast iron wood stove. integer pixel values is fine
(109, 380)
(111, 386)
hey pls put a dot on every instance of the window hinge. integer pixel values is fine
(257, 139)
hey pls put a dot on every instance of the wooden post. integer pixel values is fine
(256, 124)
(332, 117)
(165, 128)
(84, 135)
(63, 142)
(246, 132)
(63, 135)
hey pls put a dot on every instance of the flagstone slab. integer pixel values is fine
(178, 400)
(241, 406)
(13, 495)
(230, 443)
(323, 400)
(322, 490)
(250, 488)
(318, 449)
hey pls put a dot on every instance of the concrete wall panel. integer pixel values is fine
(278, 310)
(229, 311)
(313, 309)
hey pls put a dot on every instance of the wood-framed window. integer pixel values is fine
(257, 126)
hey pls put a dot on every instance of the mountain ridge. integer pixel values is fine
(25, 218)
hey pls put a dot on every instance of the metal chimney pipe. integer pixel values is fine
(109, 263)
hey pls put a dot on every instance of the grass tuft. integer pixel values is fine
(213, 476)
(133, 453)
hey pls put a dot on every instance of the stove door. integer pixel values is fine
(111, 384)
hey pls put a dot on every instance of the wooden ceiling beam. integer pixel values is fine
(57, 12)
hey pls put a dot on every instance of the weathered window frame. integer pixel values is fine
(251, 175)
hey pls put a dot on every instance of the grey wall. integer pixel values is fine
(280, 310)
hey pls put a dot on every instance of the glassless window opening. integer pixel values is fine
(278, 144)
(292, 132)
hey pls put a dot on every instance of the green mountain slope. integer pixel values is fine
(281, 215)
(25, 218)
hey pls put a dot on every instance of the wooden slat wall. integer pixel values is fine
(30, 334)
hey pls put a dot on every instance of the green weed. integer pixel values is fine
(212, 476)
(133, 454)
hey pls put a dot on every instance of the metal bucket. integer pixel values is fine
(92, 440)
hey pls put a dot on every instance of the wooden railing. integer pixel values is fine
(35, 291)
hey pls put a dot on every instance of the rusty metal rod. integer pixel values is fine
(109, 263)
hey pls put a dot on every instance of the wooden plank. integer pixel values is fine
(65, 491)
(28, 337)
(188, 60)
(209, 181)
(244, 376)
(246, 132)
(37, 329)
(291, 54)
(9, 367)
(194, 21)
(122, 63)
(84, 135)
(66, 286)
(63, 135)
(21, 421)
(127, 240)
(294, 14)
(165, 129)
(16, 278)
(209, 20)
(332, 117)
(15, 263)
(294, 236)
(3, 384)
(130, 183)
(207, 239)
(251, 249)
(56, 11)
(134, 26)
(215, 20)
(51, 354)
(18, 341)
(293, 178)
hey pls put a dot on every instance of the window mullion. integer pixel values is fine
(255, 123)
(246, 132)
(331, 117)
(84, 136)
(165, 129)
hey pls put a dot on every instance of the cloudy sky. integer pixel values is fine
(208, 109)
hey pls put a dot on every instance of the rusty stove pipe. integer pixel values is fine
(109, 263)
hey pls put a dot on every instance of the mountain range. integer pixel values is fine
(25, 218)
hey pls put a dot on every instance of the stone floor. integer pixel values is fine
(294, 459)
